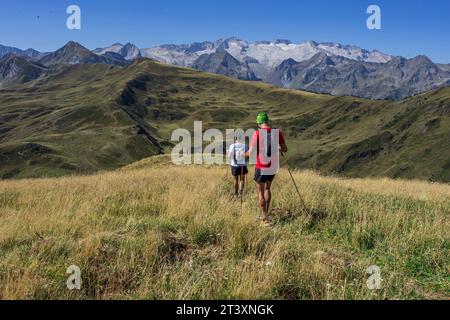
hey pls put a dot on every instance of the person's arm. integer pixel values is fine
(253, 145)
(230, 152)
(249, 153)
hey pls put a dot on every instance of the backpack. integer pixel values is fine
(235, 159)
(267, 151)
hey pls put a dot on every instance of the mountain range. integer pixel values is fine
(18, 67)
(29, 53)
(318, 67)
(396, 79)
(269, 54)
(328, 68)
(85, 117)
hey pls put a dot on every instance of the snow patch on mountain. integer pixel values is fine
(268, 53)
(128, 51)
(180, 55)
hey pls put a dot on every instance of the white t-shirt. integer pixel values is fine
(237, 154)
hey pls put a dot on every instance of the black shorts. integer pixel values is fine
(263, 178)
(237, 171)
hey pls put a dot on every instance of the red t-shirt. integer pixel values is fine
(254, 145)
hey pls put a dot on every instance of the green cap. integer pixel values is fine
(262, 118)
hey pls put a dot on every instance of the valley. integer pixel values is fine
(93, 117)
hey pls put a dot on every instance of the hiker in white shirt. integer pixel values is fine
(239, 168)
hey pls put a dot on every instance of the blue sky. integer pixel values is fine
(409, 27)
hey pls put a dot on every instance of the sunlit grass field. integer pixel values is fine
(156, 231)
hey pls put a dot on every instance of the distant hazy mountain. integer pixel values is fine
(318, 67)
(22, 66)
(181, 55)
(445, 67)
(115, 58)
(16, 70)
(74, 53)
(34, 54)
(396, 79)
(29, 53)
(269, 54)
(9, 50)
(225, 64)
(128, 51)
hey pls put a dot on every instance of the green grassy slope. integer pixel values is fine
(93, 117)
(69, 123)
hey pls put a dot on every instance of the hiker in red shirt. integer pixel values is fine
(267, 143)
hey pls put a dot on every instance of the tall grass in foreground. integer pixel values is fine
(164, 232)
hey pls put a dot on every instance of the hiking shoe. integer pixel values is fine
(266, 224)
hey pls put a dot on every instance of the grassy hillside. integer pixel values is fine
(153, 230)
(94, 117)
(69, 123)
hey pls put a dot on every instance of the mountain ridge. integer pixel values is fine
(369, 67)
(348, 69)
(92, 117)
(128, 51)
(74, 53)
(278, 50)
(15, 69)
(397, 79)
(28, 53)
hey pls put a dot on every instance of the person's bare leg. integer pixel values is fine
(236, 185)
(261, 202)
(267, 197)
(242, 184)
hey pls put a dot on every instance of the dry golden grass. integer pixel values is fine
(155, 231)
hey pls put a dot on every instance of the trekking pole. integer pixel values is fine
(296, 188)
(298, 191)
(241, 187)
(225, 177)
